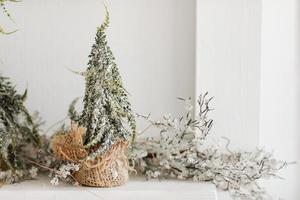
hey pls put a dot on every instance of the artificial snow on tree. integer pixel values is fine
(106, 125)
(18, 135)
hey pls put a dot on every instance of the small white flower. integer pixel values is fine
(156, 174)
(76, 167)
(33, 172)
(54, 181)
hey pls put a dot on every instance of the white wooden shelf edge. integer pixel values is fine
(136, 188)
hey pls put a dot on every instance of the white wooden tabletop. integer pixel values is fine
(136, 188)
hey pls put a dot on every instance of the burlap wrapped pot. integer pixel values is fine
(108, 170)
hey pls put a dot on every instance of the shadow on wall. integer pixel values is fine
(297, 65)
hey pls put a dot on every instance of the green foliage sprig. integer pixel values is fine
(5, 11)
(17, 128)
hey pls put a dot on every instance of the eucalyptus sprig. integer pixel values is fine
(7, 13)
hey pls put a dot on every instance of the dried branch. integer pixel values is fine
(179, 153)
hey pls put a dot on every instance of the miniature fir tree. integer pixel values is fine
(17, 129)
(107, 114)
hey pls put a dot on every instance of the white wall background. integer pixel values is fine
(228, 65)
(280, 90)
(248, 57)
(153, 42)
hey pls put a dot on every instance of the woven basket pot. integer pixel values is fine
(108, 170)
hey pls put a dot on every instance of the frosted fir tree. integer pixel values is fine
(18, 133)
(107, 114)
